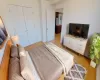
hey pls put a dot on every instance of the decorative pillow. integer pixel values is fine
(27, 69)
(21, 51)
(14, 51)
(14, 69)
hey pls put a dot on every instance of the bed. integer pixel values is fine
(4, 66)
(47, 61)
(46, 55)
(46, 64)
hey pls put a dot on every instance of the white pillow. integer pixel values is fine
(28, 70)
(21, 51)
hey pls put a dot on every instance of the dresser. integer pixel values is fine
(75, 43)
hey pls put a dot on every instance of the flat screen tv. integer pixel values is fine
(80, 30)
(3, 33)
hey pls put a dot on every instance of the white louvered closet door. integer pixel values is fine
(30, 20)
(17, 23)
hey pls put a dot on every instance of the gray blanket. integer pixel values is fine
(47, 66)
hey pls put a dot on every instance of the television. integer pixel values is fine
(79, 30)
(3, 33)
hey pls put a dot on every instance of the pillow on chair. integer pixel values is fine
(14, 69)
(14, 51)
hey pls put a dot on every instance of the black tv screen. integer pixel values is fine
(80, 30)
(3, 33)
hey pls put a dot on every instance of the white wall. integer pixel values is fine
(60, 5)
(28, 3)
(3, 7)
(59, 10)
(81, 11)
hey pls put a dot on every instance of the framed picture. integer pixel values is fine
(3, 33)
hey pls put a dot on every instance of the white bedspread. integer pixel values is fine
(66, 59)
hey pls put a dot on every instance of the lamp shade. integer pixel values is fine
(15, 40)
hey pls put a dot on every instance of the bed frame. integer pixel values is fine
(5, 62)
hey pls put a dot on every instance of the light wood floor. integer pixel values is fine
(91, 72)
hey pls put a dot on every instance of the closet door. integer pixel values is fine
(21, 29)
(30, 24)
(11, 20)
(18, 21)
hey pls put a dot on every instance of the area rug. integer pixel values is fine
(77, 72)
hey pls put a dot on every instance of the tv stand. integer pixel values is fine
(75, 43)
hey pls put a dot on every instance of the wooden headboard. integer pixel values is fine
(5, 62)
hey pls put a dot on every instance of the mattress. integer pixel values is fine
(47, 66)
